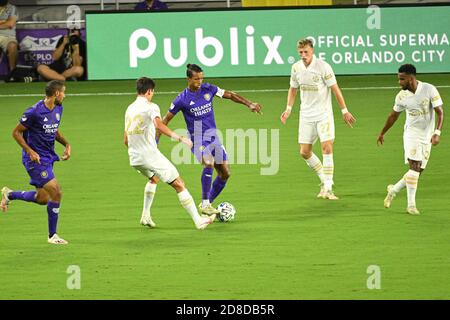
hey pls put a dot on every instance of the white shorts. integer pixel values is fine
(417, 151)
(4, 40)
(160, 166)
(309, 131)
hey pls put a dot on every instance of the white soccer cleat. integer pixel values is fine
(330, 195)
(55, 239)
(5, 200)
(390, 196)
(322, 192)
(205, 221)
(413, 211)
(147, 221)
(208, 209)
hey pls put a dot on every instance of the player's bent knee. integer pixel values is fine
(79, 71)
(41, 68)
(12, 46)
(178, 184)
(305, 154)
(225, 175)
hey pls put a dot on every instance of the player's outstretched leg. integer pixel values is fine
(149, 195)
(9, 195)
(188, 204)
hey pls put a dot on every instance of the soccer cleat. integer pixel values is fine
(5, 200)
(147, 221)
(322, 192)
(209, 209)
(413, 211)
(55, 239)
(205, 221)
(330, 195)
(390, 196)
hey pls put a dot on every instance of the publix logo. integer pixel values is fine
(201, 43)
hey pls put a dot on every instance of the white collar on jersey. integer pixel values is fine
(313, 61)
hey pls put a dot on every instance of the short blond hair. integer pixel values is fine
(304, 42)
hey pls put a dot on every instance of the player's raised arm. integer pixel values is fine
(68, 149)
(165, 130)
(346, 115)
(253, 106)
(292, 93)
(393, 116)
(437, 133)
(18, 136)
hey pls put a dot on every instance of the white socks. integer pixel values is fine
(400, 184)
(149, 195)
(205, 203)
(328, 170)
(315, 164)
(188, 204)
(412, 178)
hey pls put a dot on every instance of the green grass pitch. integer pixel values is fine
(284, 243)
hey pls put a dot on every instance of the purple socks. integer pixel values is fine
(29, 196)
(206, 182)
(217, 188)
(53, 211)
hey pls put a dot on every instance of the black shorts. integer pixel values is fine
(58, 66)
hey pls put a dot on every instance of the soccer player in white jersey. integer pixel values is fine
(142, 118)
(421, 101)
(316, 80)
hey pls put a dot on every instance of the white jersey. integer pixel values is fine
(314, 82)
(419, 108)
(140, 130)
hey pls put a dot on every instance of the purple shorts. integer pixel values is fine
(40, 174)
(208, 148)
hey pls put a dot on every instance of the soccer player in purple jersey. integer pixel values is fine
(196, 104)
(36, 134)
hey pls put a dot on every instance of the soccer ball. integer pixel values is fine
(226, 212)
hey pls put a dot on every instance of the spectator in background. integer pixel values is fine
(69, 59)
(151, 5)
(8, 41)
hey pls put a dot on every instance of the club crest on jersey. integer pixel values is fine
(44, 174)
(413, 152)
(316, 78)
(207, 96)
(425, 103)
(58, 116)
(202, 148)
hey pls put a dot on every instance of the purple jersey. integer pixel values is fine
(197, 108)
(42, 125)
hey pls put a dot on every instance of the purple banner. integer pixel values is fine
(35, 47)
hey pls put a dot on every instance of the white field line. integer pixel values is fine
(93, 94)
